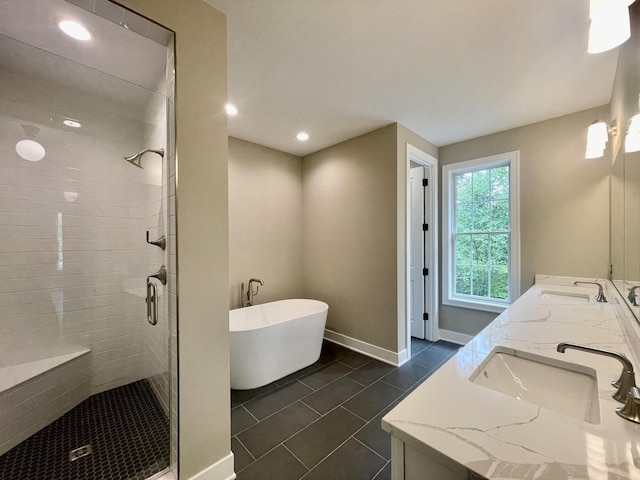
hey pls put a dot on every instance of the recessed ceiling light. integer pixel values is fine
(231, 109)
(302, 136)
(72, 123)
(75, 30)
(30, 150)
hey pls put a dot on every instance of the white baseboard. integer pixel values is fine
(454, 337)
(403, 357)
(221, 470)
(379, 353)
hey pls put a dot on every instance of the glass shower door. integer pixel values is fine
(85, 371)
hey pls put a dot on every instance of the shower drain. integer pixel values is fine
(80, 452)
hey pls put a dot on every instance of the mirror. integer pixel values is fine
(617, 221)
(625, 226)
(632, 226)
(625, 170)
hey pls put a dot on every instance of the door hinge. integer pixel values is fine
(425, 271)
(425, 182)
(425, 316)
(425, 227)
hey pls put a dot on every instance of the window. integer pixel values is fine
(481, 245)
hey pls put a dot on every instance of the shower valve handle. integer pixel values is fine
(161, 242)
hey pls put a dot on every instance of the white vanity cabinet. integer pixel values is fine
(410, 464)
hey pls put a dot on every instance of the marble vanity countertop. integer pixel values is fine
(501, 437)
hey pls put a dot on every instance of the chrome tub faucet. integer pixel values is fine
(247, 298)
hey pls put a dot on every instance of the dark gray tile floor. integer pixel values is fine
(323, 422)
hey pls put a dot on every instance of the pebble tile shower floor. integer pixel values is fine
(323, 422)
(126, 428)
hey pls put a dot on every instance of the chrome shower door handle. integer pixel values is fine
(152, 302)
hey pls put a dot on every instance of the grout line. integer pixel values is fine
(420, 380)
(293, 434)
(365, 446)
(303, 428)
(259, 396)
(358, 416)
(356, 368)
(383, 467)
(360, 383)
(327, 456)
(301, 399)
(281, 443)
(273, 390)
(296, 457)
(250, 454)
(245, 447)
(278, 411)
(313, 409)
(308, 386)
(252, 415)
(338, 378)
(341, 403)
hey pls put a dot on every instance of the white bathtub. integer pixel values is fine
(273, 340)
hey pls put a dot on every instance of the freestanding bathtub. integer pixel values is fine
(273, 340)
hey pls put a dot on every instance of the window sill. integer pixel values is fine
(475, 305)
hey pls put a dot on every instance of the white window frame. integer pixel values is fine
(448, 221)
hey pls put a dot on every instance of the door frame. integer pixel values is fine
(417, 156)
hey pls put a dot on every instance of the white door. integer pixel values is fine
(417, 267)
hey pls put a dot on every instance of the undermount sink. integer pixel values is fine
(563, 387)
(562, 296)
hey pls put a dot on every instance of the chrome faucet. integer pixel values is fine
(633, 297)
(600, 296)
(247, 299)
(627, 379)
(631, 409)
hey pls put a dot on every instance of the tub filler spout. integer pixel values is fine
(246, 299)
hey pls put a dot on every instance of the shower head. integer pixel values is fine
(137, 158)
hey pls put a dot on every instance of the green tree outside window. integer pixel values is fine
(482, 233)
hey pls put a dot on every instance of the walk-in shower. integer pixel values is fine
(88, 327)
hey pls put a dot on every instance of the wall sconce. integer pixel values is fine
(597, 137)
(632, 140)
(610, 24)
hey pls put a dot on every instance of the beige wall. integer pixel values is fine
(349, 235)
(202, 225)
(265, 221)
(564, 203)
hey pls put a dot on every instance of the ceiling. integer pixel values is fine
(448, 70)
(32, 44)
